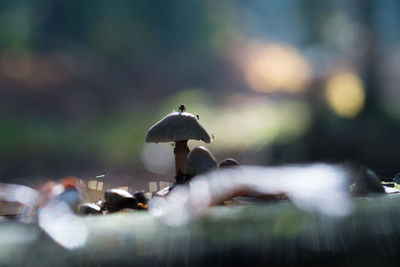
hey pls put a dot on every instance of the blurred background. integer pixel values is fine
(275, 82)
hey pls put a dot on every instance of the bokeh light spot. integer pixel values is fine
(242, 121)
(345, 94)
(274, 67)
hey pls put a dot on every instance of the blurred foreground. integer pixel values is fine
(225, 217)
(269, 234)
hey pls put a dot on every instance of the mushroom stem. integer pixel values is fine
(181, 152)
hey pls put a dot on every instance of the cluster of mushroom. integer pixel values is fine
(179, 127)
(115, 200)
(70, 191)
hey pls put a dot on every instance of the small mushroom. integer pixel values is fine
(396, 178)
(178, 127)
(102, 204)
(200, 160)
(227, 163)
(89, 208)
(118, 199)
(367, 182)
(165, 191)
(141, 200)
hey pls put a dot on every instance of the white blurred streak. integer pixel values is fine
(26, 196)
(18, 193)
(174, 208)
(60, 223)
(55, 218)
(316, 188)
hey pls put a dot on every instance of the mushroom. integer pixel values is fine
(396, 178)
(200, 160)
(367, 182)
(141, 200)
(118, 199)
(89, 208)
(178, 127)
(227, 163)
(165, 191)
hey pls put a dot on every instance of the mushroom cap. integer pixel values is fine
(229, 162)
(200, 160)
(396, 178)
(118, 199)
(89, 208)
(177, 126)
(115, 195)
(140, 197)
(164, 192)
(368, 182)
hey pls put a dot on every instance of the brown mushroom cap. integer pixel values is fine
(368, 182)
(118, 199)
(177, 126)
(229, 162)
(200, 160)
(89, 208)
